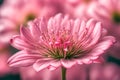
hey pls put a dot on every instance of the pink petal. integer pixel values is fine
(26, 34)
(102, 46)
(22, 63)
(51, 68)
(87, 37)
(84, 61)
(87, 59)
(27, 37)
(43, 26)
(57, 22)
(90, 25)
(41, 64)
(67, 26)
(55, 63)
(23, 58)
(35, 30)
(104, 32)
(18, 43)
(76, 26)
(68, 63)
(99, 60)
(81, 30)
(75, 29)
(50, 26)
(65, 23)
(95, 35)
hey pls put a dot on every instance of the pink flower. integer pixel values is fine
(21, 10)
(108, 12)
(79, 8)
(59, 42)
(24, 10)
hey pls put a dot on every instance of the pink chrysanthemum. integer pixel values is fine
(59, 42)
(108, 12)
(79, 8)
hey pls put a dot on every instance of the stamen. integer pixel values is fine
(62, 46)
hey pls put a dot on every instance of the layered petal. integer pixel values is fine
(19, 43)
(103, 45)
(68, 63)
(41, 64)
(23, 58)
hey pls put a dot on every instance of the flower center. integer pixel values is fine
(30, 17)
(64, 47)
(116, 17)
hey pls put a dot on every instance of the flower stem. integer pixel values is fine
(63, 73)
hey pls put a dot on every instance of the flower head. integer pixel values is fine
(109, 14)
(60, 41)
(79, 8)
(109, 11)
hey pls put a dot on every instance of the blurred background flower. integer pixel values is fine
(108, 12)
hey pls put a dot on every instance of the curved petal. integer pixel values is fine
(41, 64)
(22, 63)
(102, 46)
(55, 63)
(26, 34)
(95, 36)
(99, 60)
(57, 23)
(81, 30)
(68, 63)
(76, 26)
(27, 37)
(65, 23)
(93, 56)
(23, 58)
(18, 43)
(50, 26)
(35, 30)
(84, 61)
(51, 68)
(43, 26)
